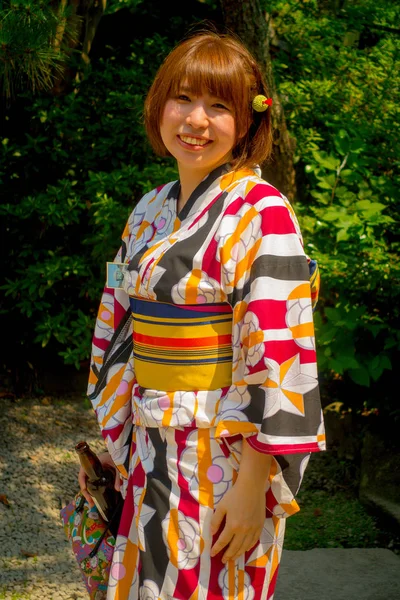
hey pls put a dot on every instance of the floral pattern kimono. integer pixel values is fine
(205, 344)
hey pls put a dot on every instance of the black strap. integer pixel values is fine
(116, 513)
(81, 504)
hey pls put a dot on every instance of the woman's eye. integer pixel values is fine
(183, 97)
(220, 105)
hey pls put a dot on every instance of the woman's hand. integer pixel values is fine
(243, 506)
(105, 460)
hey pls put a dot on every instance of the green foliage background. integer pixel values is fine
(338, 71)
(72, 168)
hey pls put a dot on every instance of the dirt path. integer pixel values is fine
(38, 467)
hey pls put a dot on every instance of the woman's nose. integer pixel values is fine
(198, 117)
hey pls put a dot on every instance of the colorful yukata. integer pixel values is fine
(209, 341)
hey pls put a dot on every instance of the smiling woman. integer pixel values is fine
(227, 73)
(203, 371)
(199, 131)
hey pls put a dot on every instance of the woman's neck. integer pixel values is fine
(188, 183)
(189, 180)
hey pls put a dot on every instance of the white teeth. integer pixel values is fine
(193, 141)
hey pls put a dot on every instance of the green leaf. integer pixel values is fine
(360, 376)
(385, 362)
(357, 145)
(342, 145)
(324, 184)
(323, 197)
(370, 208)
(338, 366)
(342, 235)
(342, 192)
(390, 342)
(352, 363)
(350, 176)
(333, 215)
(375, 367)
(325, 160)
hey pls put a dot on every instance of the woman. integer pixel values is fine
(204, 376)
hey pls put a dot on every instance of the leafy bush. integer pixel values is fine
(71, 177)
(338, 76)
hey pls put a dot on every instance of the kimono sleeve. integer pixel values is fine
(111, 376)
(274, 396)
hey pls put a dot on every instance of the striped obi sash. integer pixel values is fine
(182, 348)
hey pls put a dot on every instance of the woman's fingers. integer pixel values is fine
(254, 541)
(88, 497)
(117, 482)
(105, 460)
(217, 517)
(222, 541)
(238, 536)
(82, 478)
(238, 546)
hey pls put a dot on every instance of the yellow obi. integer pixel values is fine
(182, 348)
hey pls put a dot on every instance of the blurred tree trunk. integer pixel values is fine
(249, 22)
(89, 12)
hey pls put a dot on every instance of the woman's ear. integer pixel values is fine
(242, 135)
(244, 130)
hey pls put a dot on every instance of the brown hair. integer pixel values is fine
(220, 64)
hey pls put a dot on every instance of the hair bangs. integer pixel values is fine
(211, 68)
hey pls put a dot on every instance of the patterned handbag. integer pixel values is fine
(92, 543)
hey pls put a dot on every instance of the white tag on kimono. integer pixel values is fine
(115, 274)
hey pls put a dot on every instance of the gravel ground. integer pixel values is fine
(38, 467)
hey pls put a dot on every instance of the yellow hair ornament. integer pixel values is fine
(261, 103)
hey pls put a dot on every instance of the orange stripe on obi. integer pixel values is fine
(185, 348)
(183, 342)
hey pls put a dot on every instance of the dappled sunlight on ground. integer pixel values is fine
(39, 470)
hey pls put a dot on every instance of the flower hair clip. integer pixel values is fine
(261, 103)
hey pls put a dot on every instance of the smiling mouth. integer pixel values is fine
(193, 141)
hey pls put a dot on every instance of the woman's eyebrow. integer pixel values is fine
(185, 88)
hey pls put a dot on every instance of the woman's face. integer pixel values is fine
(199, 131)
